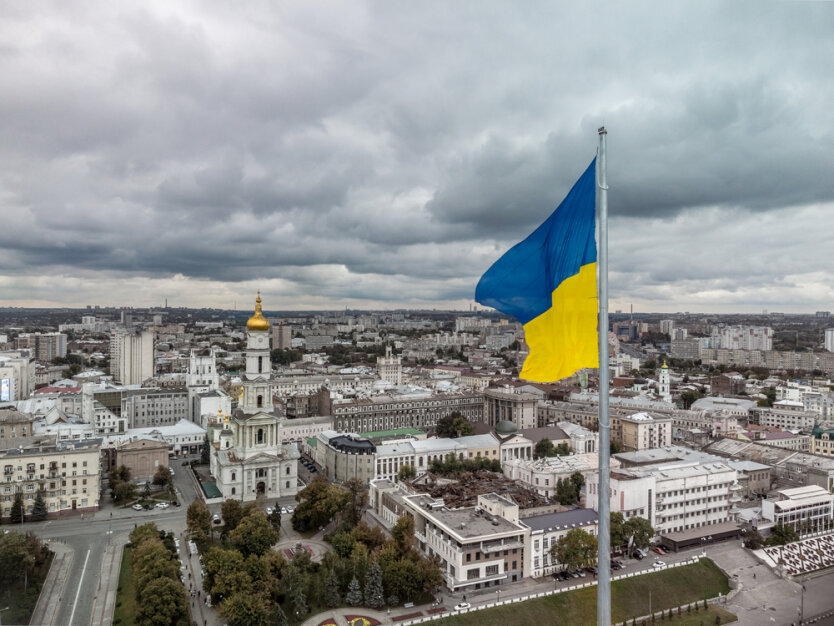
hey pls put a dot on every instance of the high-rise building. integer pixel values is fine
(43, 346)
(667, 326)
(743, 337)
(282, 337)
(829, 339)
(131, 356)
(390, 367)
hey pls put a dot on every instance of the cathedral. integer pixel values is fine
(248, 460)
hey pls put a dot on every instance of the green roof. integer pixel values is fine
(211, 490)
(313, 442)
(397, 432)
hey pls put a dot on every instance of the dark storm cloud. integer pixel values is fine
(390, 152)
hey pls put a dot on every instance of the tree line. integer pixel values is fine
(160, 593)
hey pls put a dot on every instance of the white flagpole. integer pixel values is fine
(604, 536)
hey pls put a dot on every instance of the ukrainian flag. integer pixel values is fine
(549, 283)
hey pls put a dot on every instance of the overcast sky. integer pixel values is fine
(382, 155)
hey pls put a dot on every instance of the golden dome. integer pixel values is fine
(258, 321)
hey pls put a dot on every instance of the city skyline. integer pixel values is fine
(379, 156)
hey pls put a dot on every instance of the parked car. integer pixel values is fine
(215, 519)
(162, 505)
(137, 507)
(637, 554)
(149, 507)
(290, 509)
(659, 550)
(659, 564)
(592, 570)
(616, 565)
(284, 510)
(269, 510)
(462, 605)
(185, 463)
(175, 503)
(579, 573)
(313, 470)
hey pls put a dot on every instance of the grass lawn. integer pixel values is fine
(20, 603)
(125, 611)
(630, 598)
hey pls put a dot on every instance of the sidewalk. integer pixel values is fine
(53, 586)
(104, 602)
(200, 612)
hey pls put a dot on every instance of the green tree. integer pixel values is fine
(332, 598)
(146, 492)
(577, 481)
(403, 534)
(122, 473)
(198, 520)
(753, 540)
(205, 451)
(254, 534)
(688, 398)
(615, 447)
(781, 534)
(247, 609)
(360, 561)
(544, 448)
(374, 593)
(454, 425)
(225, 572)
(354, 594)
(319, 503)
(151, 560)
(162, 476)
(161, 603)
(618, 530)
(39, 512)
(17, 509)
(275, 518)
(406, 473)
(371, 536)
(294, 586)
(356, 502)
(124, 492)
(145, 531)
(232, 512)
(641, 530)
(575, 549)
(566, 492)
(20, 554)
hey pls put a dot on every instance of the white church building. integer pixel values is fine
(248, 460)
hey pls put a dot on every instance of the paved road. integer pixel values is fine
(88, 539)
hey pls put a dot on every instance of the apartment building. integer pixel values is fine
(43, 346)
(784, 414)
(155, 407)
(641, 431)
(542, 475)
(67, 474)
(822, 441)
(131, 356)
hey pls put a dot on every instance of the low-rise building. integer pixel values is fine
(542, 475)
(513, 405)
(673, 497)
(804, 508)
(140, 454)
(478, 547)
(344, 456)
(547, 529)
(822, 441)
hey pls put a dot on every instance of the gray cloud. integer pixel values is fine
(388, 153)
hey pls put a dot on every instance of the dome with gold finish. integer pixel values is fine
(258, 321)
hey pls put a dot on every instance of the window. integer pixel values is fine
(288, 469)
(233, 491)
(492, 570)
(468, 557)
(260, 401)
(260, 430)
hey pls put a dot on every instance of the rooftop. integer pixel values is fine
(575, 518)
(465, 523)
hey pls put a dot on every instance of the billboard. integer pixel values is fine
(5, 390)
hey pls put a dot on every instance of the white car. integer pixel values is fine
(290, 509)
(162, 505)
(462, 605)
(137, 507)
(659, 564)
(215, 519)
(284, 510)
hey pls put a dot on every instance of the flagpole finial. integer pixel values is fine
(602, 130)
